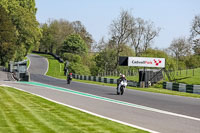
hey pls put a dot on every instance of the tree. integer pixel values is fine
(137, 35)
(195, 34)
(120, 30)
(180, 47)
(105, 60)
(28, 4)
(8, 37)
(195, 30)
(192, 61)
(74, 44)
(196, 46)
(143, 33)
(22, 14)
(47, 39)
(150, 33)
(155, 52)
(81, 30)
(59, 29)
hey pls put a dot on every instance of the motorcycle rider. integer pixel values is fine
(122, 77)
(69, 77)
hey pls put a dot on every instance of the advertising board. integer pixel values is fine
(146, 62)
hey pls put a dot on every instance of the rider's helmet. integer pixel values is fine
(123, 76)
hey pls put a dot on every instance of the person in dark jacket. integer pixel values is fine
(69, 78)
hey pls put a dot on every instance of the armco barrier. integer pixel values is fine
(182, 87)
(54, 55)
(104, 80)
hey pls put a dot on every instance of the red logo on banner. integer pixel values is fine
(157, 62)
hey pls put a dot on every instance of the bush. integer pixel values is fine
(71, 57)
(79, 69)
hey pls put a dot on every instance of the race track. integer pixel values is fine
(157, 112)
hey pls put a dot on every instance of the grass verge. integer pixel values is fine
(54, 71)
(24, 112)
(190, 76)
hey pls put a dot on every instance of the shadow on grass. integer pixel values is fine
(178, 79)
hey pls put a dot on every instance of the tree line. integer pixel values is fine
(20, 33)
(128, 36)
(19, 29)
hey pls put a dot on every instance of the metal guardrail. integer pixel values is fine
(19, 70)
(103, 80)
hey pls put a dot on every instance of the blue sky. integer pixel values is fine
(174, 17)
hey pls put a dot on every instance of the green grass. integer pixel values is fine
(56, 69)
(54, 63)
(188, 76)
(21, 112)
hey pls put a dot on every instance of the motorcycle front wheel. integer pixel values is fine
(122, 90)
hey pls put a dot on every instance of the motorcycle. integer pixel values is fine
(123, 84)
(69, 78)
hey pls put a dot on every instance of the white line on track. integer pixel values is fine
(47, 65)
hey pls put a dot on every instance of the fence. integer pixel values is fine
(182, 87)
(182, 73)
(103, 80)
(54, 55)
(186, 72)
(116, 73)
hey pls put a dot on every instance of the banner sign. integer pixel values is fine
(146, 62)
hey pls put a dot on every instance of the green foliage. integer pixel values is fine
(8, 37)
(20, 52)
(74, 44)
(106, 60)
(155, 53)
(75, 64)
(192, 61)
(78, 68)
(46, 40)
(54, 33)
(72, 57)
(127, 51)
(94, 70)
(27, 27)
(170, 63)
(22, 15)
(28, 4)
(81, 30)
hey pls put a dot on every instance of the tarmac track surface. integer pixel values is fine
(156, 121)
